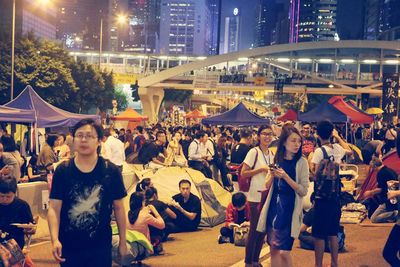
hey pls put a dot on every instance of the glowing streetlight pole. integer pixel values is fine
(12, 50)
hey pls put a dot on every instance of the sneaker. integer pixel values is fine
(158, 249)
(223, 239)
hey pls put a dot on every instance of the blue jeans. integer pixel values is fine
(383, 215)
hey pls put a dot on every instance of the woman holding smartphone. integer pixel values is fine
(282, 213)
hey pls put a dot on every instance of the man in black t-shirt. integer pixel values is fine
(239, 152)
(386, 212)
(187, 208)
(84, 193)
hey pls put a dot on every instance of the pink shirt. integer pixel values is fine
(144, 220)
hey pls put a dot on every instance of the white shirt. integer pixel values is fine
(257, 183)
(337, 152)
(209, 148)
(114, 150)
(196, 150)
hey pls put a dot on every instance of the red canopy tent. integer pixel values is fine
(354, 115)
(290, 115)
(195, 114)
(128, 119)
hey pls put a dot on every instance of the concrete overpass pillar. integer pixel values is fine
(151, 99)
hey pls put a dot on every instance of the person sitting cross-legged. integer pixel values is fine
(237, 213)
(187, 208)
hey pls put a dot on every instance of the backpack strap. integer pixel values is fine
(324, 152)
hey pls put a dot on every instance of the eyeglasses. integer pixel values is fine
(87, 136)
(266, 133)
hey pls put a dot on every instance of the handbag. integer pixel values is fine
(244, 182)
(240, 235)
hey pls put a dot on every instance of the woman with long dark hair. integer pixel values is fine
(141, 217)
(221, 154)
(255, 165)
(282, 213)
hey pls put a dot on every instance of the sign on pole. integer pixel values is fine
(390, 96)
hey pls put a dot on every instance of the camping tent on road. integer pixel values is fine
(46, 115)
(239, 115)
(128, 119)
(214, 199)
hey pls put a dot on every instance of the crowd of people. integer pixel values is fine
(280, 161)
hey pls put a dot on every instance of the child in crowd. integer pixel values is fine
(237, 213)
(141, 217)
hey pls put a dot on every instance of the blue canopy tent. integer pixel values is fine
(324, 111)
(239, 115)
(46, 115)
(16, 115)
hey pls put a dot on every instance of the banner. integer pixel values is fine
(390, 96)
(123, 78)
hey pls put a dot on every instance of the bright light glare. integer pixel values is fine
(392, 62)
(122, 19)
(326, 60)
(347, 60)
(283, 59)
(305, 60)
(370, 61)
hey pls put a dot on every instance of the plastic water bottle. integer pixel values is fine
(392, 187)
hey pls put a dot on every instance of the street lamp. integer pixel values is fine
(121, 19)
(43, 2)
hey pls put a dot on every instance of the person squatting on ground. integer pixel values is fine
(141, 217)
(282, 213)
(84, 193)
(386, 212)
(255, 165)
(327, 211)
(237, 213)
(187, 208)
(151, 198)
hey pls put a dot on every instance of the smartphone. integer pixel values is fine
(273, 166)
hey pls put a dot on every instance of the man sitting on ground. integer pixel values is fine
(198, 159)
(237, 213)
(187, 208)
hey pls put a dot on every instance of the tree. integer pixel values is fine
(121, 98)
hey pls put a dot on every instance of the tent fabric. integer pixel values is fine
(290, 115)
(354, 115)
(324, 111)
(130, 115)
(214, 199)
(390, 160)
(46, 115)
(352, 104)
(8, 114)
(239, 115)
(195, 114)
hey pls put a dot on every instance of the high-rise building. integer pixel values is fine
(312, 20)
(30, 16)
(117, 30)
(350, 19)
(263, 28)
(144, 26)
(373, 22)
(391, 20)
(78, 23)
(281, 23)
(214, 7)
(232, 32)
(184, 27)
(382, 20)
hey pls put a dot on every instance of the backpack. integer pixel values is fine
(327, 183)
(244, 182)
(144, 157)
(142, 140)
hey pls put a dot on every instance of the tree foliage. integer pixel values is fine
(55, 76)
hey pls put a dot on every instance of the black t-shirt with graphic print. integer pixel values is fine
(87, 200)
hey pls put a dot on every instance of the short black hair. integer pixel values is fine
(159, 133)
(8, 185)
(238, 199)
(8, 143)
(139, 129)
(244, 133)
(51, 139)
(325, 129)
(184, 181)
(199, 134)
(98, 128)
